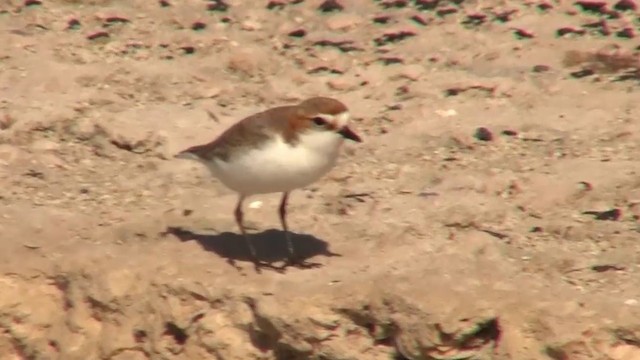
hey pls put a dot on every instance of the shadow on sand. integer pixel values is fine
(270, 245)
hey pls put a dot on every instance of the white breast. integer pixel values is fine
(279, 166)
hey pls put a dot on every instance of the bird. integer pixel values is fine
(277, 150)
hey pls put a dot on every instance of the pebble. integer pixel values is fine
(541, 68)
(298, 33)
(250, 25)
(198, 25)
(483, 134)
(420, 20)
(98, 35)
(523, 33)
(627, 33)
(624, 5)
(330, 6)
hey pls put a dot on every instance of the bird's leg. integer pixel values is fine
(252, 250)
(283, 221)
(293, 260)
(239, 217)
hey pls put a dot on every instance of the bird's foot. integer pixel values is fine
(258, 265)
(300, 263)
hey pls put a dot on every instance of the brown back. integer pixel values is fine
(256, 130)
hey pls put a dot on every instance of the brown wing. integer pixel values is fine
(256, 129)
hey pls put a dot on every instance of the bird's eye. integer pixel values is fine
(319, 121)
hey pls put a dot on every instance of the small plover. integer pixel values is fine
(278, 150)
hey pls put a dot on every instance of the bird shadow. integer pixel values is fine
(270, 245)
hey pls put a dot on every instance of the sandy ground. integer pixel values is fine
(492, 211)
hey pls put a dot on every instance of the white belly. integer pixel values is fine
(279, 167)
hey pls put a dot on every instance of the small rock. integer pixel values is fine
(98, 35)
(585, 186)
(420, 20)
(590, 5)
(504, 16)
(298, 33)
(188, 49)
(218, 5)
(390, 60)
(570, 30)
(475, 19)
(627, 33)
(398, 4)
(330, 6)
(446, 11)
(115, 19)
(198, 25)
(544, 6)
(625, 5)
(483, 134)
(381, 19)
(250, 25)
(541, 68)
(523, 34)
(276, 4)
(73, 24)
(343, 21)
(582, 73)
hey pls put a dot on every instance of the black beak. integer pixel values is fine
(349, 134)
